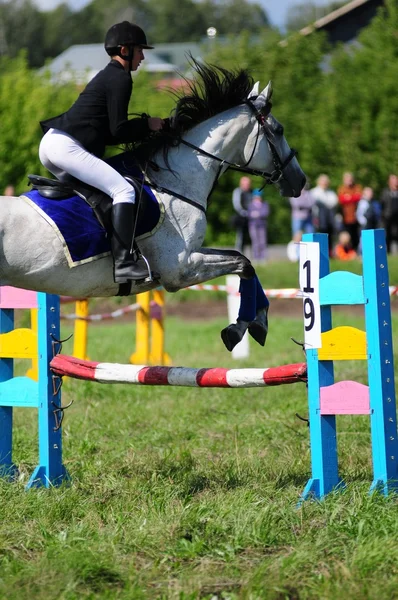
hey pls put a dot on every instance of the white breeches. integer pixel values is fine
(60, 153)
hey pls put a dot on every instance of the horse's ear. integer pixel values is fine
(254, 92)
(263, 101)
(267, 92)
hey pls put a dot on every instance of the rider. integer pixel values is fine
(75, 141)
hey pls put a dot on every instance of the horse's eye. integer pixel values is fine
(279, 130)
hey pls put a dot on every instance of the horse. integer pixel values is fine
(221, 122)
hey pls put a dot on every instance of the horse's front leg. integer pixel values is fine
(209, 263)
(252, 316)
(203, 265)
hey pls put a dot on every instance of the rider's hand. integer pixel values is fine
(155, 123)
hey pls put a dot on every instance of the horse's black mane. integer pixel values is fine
(213, 90)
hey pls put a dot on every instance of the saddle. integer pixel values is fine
(100, 202)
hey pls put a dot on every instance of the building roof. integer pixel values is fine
(82, 62)
(344, 23)
(178, 53)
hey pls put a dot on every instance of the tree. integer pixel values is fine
(107, 13)
(25, 99)
(234, 16)
(21, 26)
(64, 28)
(357, 111)
(177, 21)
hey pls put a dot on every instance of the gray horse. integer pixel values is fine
(222, 123)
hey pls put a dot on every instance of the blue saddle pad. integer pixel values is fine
(83, 238)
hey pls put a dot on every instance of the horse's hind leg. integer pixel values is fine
(253, 315)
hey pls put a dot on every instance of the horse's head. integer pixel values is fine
(209, 120)
(268, 143)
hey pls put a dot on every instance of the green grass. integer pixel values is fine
(184, 493)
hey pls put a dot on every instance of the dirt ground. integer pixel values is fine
(212, 309)
(196, 311)
(279, 307)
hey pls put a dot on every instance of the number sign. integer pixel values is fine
(309, 287)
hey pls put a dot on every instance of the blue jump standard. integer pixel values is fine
(23, 392)
(371, 290)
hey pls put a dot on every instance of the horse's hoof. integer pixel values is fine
(258, 332)
(258, 328)
(232, 335)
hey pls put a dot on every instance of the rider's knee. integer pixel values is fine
(124, 195)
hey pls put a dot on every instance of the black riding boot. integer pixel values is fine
(128, 263)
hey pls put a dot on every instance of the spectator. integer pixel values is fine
(349, 195)
(324, 208)
(302, 211)
(368, 210)
(241, 198)
(344, 249)
(389, 210)
(9, 191)
(257, 213)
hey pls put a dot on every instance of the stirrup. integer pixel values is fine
(124, 273)
(139, 256)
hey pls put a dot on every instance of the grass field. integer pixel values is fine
(191, 493)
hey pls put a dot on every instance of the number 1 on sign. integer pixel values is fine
(309, 286)
(307, 267)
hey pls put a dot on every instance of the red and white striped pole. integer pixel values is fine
(177, 376)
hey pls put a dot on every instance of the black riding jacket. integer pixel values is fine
(98, 118)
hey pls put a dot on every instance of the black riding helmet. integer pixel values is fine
(124, 34)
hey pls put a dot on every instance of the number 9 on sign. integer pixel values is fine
(309, 314)
(309, 287)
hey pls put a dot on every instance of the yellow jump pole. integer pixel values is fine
(141, 354)
(33, 372)
(157, 355)
(81, 330)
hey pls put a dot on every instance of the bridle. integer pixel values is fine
(269, 178)
(279, 165)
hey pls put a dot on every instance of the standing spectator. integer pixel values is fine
(9, 191)
(324, 208)
(368, 210)
(389, 210)
(241, 198)
(349, 195)
(257, 213)
(302, 211)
